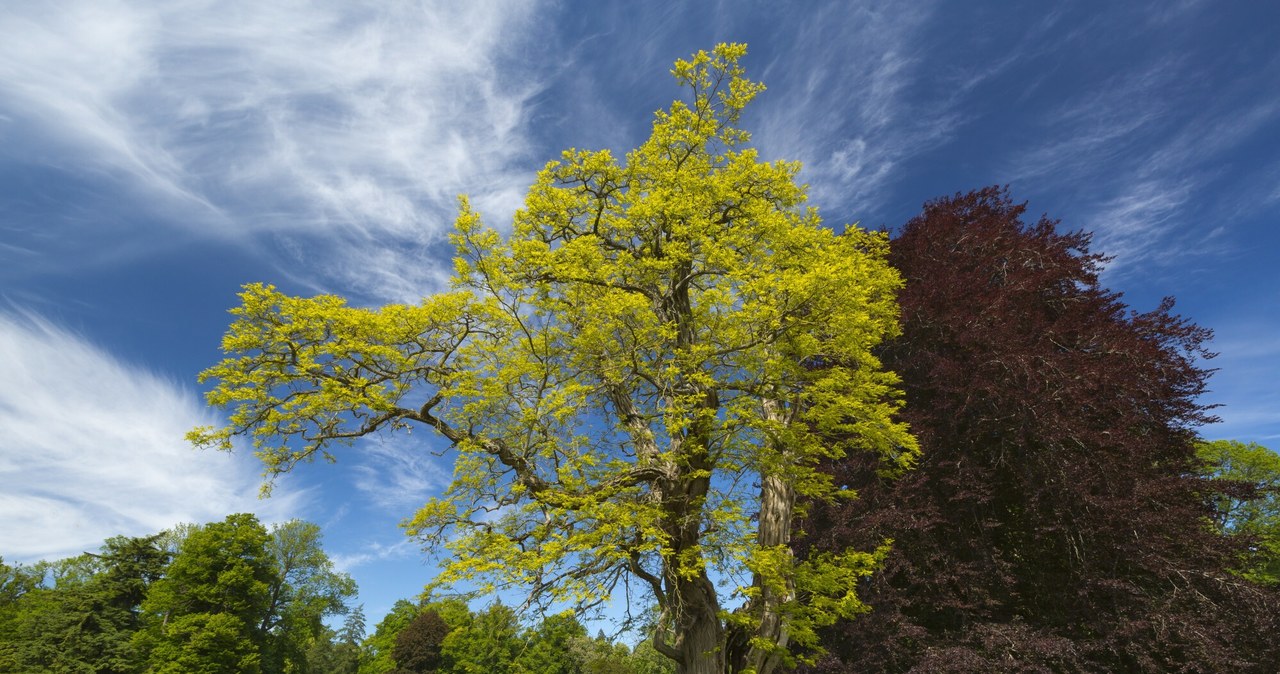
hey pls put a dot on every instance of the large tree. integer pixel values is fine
(1056, 521)
(487, 641)
(614, 378)
(559, 645)
(206, 612)
(305, 589)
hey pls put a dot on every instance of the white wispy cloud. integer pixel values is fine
(376, 552)
(400, 473)
(93, 447)
(838, 103)
(1135, 226)
(1163, 203)
(351, 128)
(1248, 348)
(1098, 129)
(1143, 148)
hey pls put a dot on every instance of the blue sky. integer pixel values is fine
(155, 156)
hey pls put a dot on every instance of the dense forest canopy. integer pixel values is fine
(231, 596)
(234, 597)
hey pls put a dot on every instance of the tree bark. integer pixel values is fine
(777, 511)
(701, 634)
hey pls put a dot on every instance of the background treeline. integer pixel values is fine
(236, 597)
(228, 596)
(1065, 515)
(446, 637)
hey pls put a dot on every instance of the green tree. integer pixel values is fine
(305, 589)
(205, 643)
(131, 566)
(338, 652)
(488, 644)
(206, 611)
(346, 646)
(43, 630)
(1252, 511)
(17, 585)
(86, 618)
(18, 581)
(171, 539)
(324, 654)
(627, 381)
(597, 655)
(330, 652)
(645, 659)
(554, 647)
(352, 631)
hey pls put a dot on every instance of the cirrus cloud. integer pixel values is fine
(345, 130)
(93, 447)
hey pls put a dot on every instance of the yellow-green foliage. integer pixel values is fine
(674, 319)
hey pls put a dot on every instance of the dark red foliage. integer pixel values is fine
(417, 648)
(1054, 523)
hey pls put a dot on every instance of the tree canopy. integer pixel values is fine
(1057, 520)
(212, 599)
(613, 377)
(305, 590)
(226, 596)
(447, 637)
(83, 621)
(418, 645)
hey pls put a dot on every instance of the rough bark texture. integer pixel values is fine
(1054, 522)
(774, 530)
(777, 511)
(700, 632)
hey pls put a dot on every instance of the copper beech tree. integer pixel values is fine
(627, 382)
(1057, 520)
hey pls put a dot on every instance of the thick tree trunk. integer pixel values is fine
(691, 596)
(701, 640)
(777, 508)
